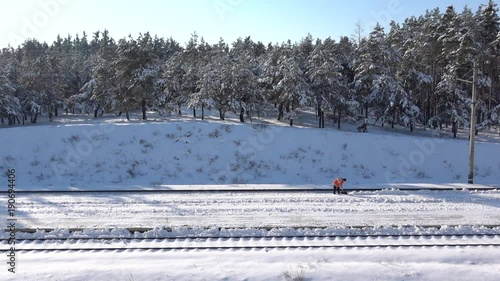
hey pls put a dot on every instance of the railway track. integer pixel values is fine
(255, 243)
(265, 228)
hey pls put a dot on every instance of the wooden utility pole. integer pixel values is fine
(472, 126)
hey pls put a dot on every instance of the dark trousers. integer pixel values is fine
(335, 189)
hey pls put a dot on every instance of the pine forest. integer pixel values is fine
(412, 73)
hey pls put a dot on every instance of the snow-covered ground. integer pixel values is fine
(314, 264)
(80, 153)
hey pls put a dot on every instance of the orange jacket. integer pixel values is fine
(338, 182)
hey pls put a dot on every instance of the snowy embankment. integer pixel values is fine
(201, 153)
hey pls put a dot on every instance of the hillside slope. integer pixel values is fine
(201, 153)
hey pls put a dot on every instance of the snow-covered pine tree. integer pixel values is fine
(193, 61)
(37, 95)
(58, 55)
(452, 102)
(406, 78)
(216, 80)
(379, 63)
(148, 83)
(451, 96)
(329, 78)
(460, 50)
(495, 115)
(345, 103)
(197, 98)
(104, 84)
(414, 71)
(430, 47)
(488, 24)
(10, 106)
(321, 68)
(292, 89)
(270, 76)
(126, 64)
(369, 65)
(79, 72)
(247, 95)
(174, 83)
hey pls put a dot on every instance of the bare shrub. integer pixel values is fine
(226, 128)
(8, 158)
(214, 134)
(295, 275)
(73, 139)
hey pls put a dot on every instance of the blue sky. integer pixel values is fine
(263, 20)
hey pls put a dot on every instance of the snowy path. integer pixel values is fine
(382, 208)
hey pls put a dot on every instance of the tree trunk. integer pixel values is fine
(126, 113)
(242, 116)
(291, 122)
(33, 120)
(222, 115)
(280, 112)
(143, 107)
(393, 118)
(95, 111)
(194, 112)
(320, 116)
(202, 112)
(56, 112)
(338, 120)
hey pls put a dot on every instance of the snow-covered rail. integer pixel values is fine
(256, 243)
(358, 228)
